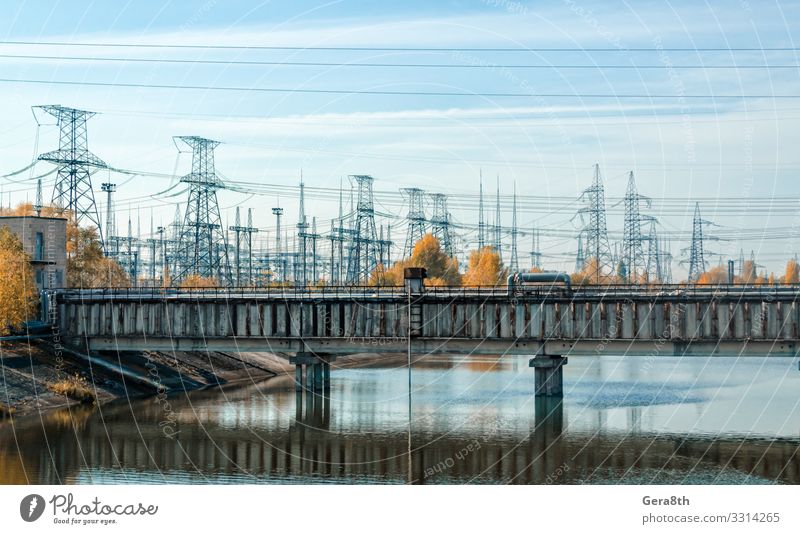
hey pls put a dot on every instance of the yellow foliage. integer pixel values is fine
(749, 275)
(87, 266)
(18, 291)
(428, 253)
(592, 274)
(485, 268)
(716, 275)
(197, 281)
(74, 387)
(792, 274)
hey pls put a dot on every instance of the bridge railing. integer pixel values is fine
(616, 291)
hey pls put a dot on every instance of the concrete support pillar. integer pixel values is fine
(298, 377)
(317, 376)
(309, 385)
(326, 375)
(548, 375)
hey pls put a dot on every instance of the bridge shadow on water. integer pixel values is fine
(359, 431)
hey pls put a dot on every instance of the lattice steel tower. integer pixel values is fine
(415, 218)
(514, 263)
(632, 239)
(440, 223)
(73, 186)
(697, 262)
(481, 222)
(202, 247)
(595, 233)
(364, 244)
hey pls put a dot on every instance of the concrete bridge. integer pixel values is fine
(316, 325)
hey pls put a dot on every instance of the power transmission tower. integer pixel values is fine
(415, 218)
(203, 249)
(595, 232)
(697, 262)
(440, 222)
(653, 270)
(632, 249)
(514, 263)
(363, 255)
(73, 187)
(498, 242)
(302, 236)
(481, 222)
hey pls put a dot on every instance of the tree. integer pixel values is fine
(592, 273)
(442, 269)
(749, 275)
(485, 268)
(715, 275)
(18, 291)
(197, 281)
(86, 265)
(792, 275)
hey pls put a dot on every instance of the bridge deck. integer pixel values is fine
(615, 319)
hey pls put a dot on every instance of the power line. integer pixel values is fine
(396, 93)
(397, 49)
(384, 65)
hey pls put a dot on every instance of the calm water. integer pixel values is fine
(472, 420)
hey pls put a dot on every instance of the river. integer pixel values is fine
(470, 419)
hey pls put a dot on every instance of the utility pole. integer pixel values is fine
(38, 205)
(278, 212)
(109, 190)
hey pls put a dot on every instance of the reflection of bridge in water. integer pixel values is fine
(255, 444)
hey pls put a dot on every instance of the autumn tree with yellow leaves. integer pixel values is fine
(442, 269)
(485, 268)
(197, 281)
(792, 273)
(18, 291)
(87, 266)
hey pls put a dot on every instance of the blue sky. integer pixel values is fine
(546, 145)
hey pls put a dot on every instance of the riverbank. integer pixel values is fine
(39, 376)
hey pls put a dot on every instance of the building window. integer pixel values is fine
(38, 252)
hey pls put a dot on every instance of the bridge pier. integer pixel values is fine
(312, 371)
(548, 375)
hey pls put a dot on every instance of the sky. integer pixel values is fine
(710, 134)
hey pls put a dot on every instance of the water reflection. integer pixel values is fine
(709, 421)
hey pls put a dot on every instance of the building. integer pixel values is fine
(45, 240)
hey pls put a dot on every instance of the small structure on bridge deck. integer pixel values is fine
(548, 374)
